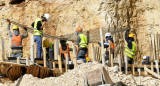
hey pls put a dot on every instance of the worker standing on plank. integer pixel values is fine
(130, 47)
(64, 49)
(82, 43)
(38, 31)
(106, 45)
(16, 40)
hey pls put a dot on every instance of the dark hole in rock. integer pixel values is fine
(16, 1)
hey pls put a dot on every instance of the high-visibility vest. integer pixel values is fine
(16, 40)
(36, 31)
(130, 52)
(112, 46)
(83, 43)
(65, 51)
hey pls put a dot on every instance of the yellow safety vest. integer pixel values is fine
(130, 52)
(36, 31)
(83, 43)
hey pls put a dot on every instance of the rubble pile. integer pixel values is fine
(76, 77)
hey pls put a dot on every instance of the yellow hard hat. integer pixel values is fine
(15, 27)
(46, 43)
(130, 35)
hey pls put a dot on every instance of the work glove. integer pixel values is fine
(73, 41)
(9, 21)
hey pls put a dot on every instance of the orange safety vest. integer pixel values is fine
(65, 51)
(16, 40)
(112, 46)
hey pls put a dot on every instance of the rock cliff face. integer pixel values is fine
(142, 15)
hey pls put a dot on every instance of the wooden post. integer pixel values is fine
(54, 65)
(157, 66)
(102, 46)
(94, 53)
(139, 71)
(35, 50)
(126, 64)
(56, 49)
(27, 61)
(18, 60)
(67, 62)
(32, 49)
(74, 55)
(44, 57)
(2, 50)
(60, 63)
(152, 68)
(133, 69)
(145, 72)
(110, 51)
(111, 60)
(119, 62)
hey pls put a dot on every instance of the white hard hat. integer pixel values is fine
(107, 34)
(144, 57)
(47, 16)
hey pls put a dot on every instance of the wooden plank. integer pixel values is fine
(110, 51)
(10, 63)
(102, 46)
(35, 50)
(145, 72)
(67, 62)
(111, 60)
(18, 60)
(157, 67)
(126, 64)
(152, 68)
(151, 72)
(74, 55)
(54, 65)
(56, 49)
(133, 69)
(32, 49)
(119, 62)
(139, 71)
(2, 50)
(44, 57)
(60, 63)
(94, 54)
(27, 61)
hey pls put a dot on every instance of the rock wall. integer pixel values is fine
(66, 15)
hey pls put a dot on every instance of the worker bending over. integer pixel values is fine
(82, 43)
(64, 49)
(16, 40)
(38, 31)
(130, 47)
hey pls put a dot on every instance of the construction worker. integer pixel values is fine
(38, 31)
(82, 43)
(16, 40)
(130, 47)
(64, 49)
(106, 45)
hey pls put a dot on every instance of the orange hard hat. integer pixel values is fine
(79, 29)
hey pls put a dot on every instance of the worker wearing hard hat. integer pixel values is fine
(38, 31)
(82, 43)
(130, 47)
(64, 49)
(106, 45)
(16, 40)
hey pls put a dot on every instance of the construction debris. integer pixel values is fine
(76, 77)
